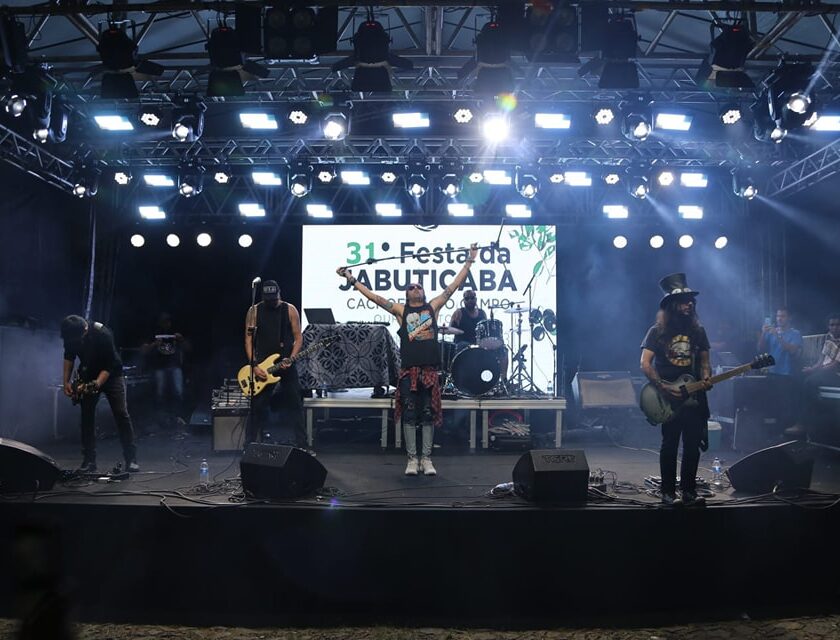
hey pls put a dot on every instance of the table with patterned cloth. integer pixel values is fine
(364, 356)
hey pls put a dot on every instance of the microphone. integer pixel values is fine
(256, 281)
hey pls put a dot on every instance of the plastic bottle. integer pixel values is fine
(204, 473)
(717, 472)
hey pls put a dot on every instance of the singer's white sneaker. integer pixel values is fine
(428, 467)
(411, 468)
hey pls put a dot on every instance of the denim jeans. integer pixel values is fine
(169, 393)
(115, 391)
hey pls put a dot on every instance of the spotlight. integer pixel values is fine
(190, 180)
(15, 105)
(694, 180)
(86, 183)
(617, 41)
(300, 180)
(798, 102)
(665, 178)
(730, 114)
(620, 242)
(778, 134)
(788, 100)
(299, 32)
(673, 121)
(122, 67)
(638, 187)
(319, 211)
(113, 122)
(616, 211)
(743, 185)
(636, 127)
(604, 115)
(463, 116)
(552, 30)
(496, 127)
(657, 241)
(577, 179)
(122, 177)
(459, 210)
(150, 117)
(491, 63)
(266, 178)
(812, 119)
(721, 242)
(245, 240)
(498, 177)
(690, 212)
(388, 177)
(724, 68)
(335, 126)
(686, 241)
(258, 120)
(557, 177)
(450, 185)
(222, 175)
(475, 177)
(152, 212)
(325, 176)
(188, 120)
(228, 66)
(137, 240)
(410, 120)
(158, 180)
(372, 58)
(612, 178)
(251, 210)
(417, 185)
(298, 117)
(552, 121)
(173, 240)
(527, 183)
(355, 178)
(203, 239)
(388, 209)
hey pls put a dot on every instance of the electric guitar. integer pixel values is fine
(81, 390)
(660, 406)
(271, 366)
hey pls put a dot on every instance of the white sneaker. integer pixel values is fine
(411, 468)
(428, 467)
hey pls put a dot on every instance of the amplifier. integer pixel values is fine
(229, 429)
(604, 390)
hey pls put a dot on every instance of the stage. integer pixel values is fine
(378, 546)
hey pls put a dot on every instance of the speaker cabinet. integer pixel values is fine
(229, 429)
(552, 475)
(788, 465)
(277, 471)
(25, 468)
(604, 390)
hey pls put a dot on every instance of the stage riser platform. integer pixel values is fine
(261, 565)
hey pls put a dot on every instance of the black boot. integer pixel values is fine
(88, 465)
(691, 499)
(670, 499)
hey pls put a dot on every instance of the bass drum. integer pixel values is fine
(475, 371)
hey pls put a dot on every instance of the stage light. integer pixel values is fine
(261, 121)
(694, 180)
(325, 176)
(788, 99)
(372, 58)
(228, 67)
(355, 178)
(552, 121)
(79, 190)
(122, 177)
(657, 242)
(578, 179)
(190, 180)
(411, 120)
(617, 41)
(557, 177)
(690, 212)
(475, 177)
(150, 117)
(450, 185)
(122, 67)
(612, 178)
(173, 240)
(827, 123)
(298, 117)
(673, 121)
(686, 241)
(137, 240)
(730, 115)
(495, 128)
(266, 178)
(616, 211)
(251, 210)
(498, 177)
(335, 126)
(319, 211)
(620, 242)
(812, 119)
(777, 134)
(724, 68)
(188, 120)
(665, 178)
(158, 180)
(463, 115)
(604, 116)
(552, 32)
(15, 105)
(297, 32)
(636, 127)
(151, 212)
(300, 180)
(416, 185)
(638, 187)
(388, 210)
(491, 63)
(388, 177)
(798, 102)
(41, 135)
(527, 182)
(517, 211)
(86, 182)
(749, 192)
(203, 239)
(743, 185)
(721, 242)
(41, 111)
(222, 175)
(113, 123)
(459, 210)
(245, 240)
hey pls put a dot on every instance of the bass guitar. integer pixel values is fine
(272, 368)
(660, 406)
(81, 390)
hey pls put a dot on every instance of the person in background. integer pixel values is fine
(466, 318)
(783, 342)
(164, 357)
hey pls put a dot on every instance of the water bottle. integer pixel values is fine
(717, 472)
(204, 473)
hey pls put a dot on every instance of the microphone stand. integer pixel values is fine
(534, 387)
(253, 363)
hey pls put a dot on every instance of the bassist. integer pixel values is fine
(675, 345)
(273, 326)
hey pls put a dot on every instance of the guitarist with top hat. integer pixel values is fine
(273, 326)
(675, 345)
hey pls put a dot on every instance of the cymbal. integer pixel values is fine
(450, 331)
(518, 310)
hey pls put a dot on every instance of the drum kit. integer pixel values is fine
(481, 369)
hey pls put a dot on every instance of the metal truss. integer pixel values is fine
(33, 158)
(806, 172)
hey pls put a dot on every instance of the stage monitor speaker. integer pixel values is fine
(25, 468)
(788, 466)
(229, 429)
(604, 390)
(552, 475)
(277, 471)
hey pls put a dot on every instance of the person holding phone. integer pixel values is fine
(781, 341)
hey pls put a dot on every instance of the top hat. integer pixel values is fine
(674, 285)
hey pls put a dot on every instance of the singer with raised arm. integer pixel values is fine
(418, 401)
(273, 327)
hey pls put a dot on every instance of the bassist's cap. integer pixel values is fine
(270, 291)
(674, 287)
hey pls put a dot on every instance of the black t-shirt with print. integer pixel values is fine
(676, 352)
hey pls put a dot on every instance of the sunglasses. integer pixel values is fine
(412, 287)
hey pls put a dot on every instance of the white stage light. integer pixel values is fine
(151, 212)
(496, 128)
(694, 180)
(203, 239)
(721, 242)
(355, 178)
(673, 121)
(158, 180)
(137, 240)
(411, 120)
(245, 240)
(459, 210)
(665, 178)
(251, 210)
(604, 115)
(552, 121)
(686, 241)
(619, 242)
(657, 241)
(173, 240)
(114, 123)
(261, 121)
(266, 178)
(518, 211)
(319, 211)
(690, 212)
(578, 179)
(388, 209)
(616, 211)
(463, 116)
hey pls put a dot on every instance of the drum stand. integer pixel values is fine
(447, 384)
(520, 372)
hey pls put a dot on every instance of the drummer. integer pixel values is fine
(465, 318)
